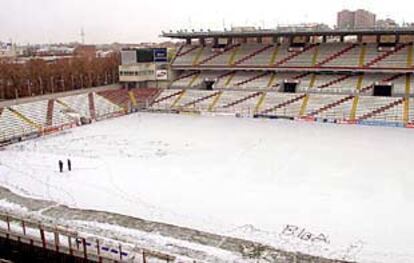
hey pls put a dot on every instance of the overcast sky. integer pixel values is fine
(131, 21)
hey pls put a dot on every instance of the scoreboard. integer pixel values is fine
(144, 55)
(143, 64)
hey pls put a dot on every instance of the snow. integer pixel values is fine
(247, 178)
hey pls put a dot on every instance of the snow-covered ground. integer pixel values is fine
(329, 190)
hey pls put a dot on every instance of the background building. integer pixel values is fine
(360, 18)
(386, 23)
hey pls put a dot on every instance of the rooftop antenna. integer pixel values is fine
(82, 34)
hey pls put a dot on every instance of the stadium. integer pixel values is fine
(247, 146)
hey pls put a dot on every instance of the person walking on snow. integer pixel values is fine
(61, 166)
(69, 165)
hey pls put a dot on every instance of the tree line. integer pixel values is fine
(39, 77)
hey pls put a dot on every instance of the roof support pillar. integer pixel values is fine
(359, 38)
(202, 41)
(188, 41)
(259, 40)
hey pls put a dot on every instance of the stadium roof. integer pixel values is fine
(286, 32)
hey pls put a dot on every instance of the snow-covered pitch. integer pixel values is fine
(329, 190)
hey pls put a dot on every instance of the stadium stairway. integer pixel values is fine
(284, 104)
(12, 126)
(304, 105)
(132, 98)
(336, 55)
(219, 53)
(381, 109)
(295, 54)
(250, 96)
(260, 102)
(25, 119)
(215, 101)
(385, 55)
(197, 56)
(250, 56)
(178, 98)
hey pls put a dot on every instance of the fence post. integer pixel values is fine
(120, 252)
(42, 236)
(8, 222)
(85, 253)
(70, 246)
(98, 250)
(57, 243)
(144, 260)
(24, 227)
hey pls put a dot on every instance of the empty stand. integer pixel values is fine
(259, 81)
(197, 99)
(239, 102)
(36, 112)
(217, 57)
(295, 55)
(350, 58)
(301, 59)
(250, 52)
(12, 126)
(329, 105)
(331, 51)
(382, 109)
(396, 58)
(290, 106)
(166, 99)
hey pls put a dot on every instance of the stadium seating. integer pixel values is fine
(282, 104)
(35, 111)
(383, 109)
(250, 52)
(196, 100)
(329, 106)
(11, 126)
(166, 99)
(332, 55)
(78, 104)
(43, 116)
(387, 59)
(186, 55)
(330, 51)
(237, 102)
(411, 110)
